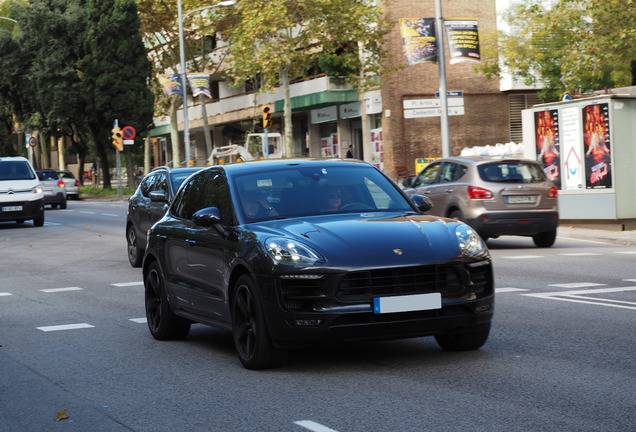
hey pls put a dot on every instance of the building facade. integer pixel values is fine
(328, 115)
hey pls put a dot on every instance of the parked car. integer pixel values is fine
(495, 196)
(71, 183)
(143, 212)
(21, 196)
(260, 248)
(53, 187)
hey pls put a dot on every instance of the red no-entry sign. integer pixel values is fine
(128, 132)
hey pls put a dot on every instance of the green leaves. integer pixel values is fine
(577, 45)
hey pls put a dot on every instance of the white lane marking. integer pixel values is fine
(65, 327)
(629, 280)
(509, 289)
(313, 426)
(577, 285)
(110, 214)
(51, 224)
(139, 320)
(580, 254)
(580, 297)
(56, 290)
(86, 212)
(4, 294)
(626, 252)
(523, 257)
(127, 284)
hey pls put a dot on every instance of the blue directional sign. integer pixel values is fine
(451, 94)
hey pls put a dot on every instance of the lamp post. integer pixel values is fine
(186, 126)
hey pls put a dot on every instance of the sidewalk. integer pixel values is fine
(599, 235)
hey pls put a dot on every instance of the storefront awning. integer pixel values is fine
(319, 100)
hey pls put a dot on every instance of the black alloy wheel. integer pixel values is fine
(162, 322)
(135, 254)
(251, 340)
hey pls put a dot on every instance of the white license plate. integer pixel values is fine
(407, 303)
(11, 208)
(521, 199)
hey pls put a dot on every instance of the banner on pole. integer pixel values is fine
(419, 40)
(200, 84)
(463, 40)
(171, 84)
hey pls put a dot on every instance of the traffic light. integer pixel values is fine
(118, 139)
(267, 116)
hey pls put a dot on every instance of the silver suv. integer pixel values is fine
(496, 196)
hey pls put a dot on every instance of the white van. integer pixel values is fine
(21, 196)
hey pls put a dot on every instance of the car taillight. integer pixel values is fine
(475, 192)
(60, 183)
(76, 182)
(553, 192)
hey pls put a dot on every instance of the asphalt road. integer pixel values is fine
(74, 340)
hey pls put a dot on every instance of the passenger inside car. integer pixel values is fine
(256, 206)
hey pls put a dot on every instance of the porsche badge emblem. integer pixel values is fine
(397, 251)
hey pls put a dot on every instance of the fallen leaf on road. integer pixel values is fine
(61, 415)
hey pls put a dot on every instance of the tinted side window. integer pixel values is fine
(428, 175)
(448, 172)
(192, 198)
(146, 184)
(512, 172)
(161, 184)
(217, 195)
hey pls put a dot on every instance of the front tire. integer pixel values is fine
(544, 239)
(251, 340)
(463, 341)
(39, 221)
(135, 254)
(162, 322)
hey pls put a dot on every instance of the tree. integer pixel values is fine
(115, 74)
(575, 46)
(278, 39)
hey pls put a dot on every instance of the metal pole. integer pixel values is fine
(186, 125)
(442, 79)
(184, 83)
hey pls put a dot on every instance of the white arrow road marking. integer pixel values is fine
(313, 426)
(581, 296)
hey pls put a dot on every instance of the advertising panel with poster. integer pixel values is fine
(546, 125)
(418, 39)
(596, 138)
(377, 150)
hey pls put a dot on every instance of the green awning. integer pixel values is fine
(160, 130)
(319, 100)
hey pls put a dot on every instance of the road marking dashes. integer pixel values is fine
(139, 320)
(127, 284)
(577, 254)
(509, 289)
(523, 257)
(5, 294)
(65, 327)
(577, 285)
(57, 290)
(313, 426)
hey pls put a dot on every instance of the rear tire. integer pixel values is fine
(63, 205)
(464, 341)
(251, 340)
(135, 254)
(457, 214)
(162, 322)
(544, 239)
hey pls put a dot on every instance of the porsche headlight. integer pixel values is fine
(468, 240)
(291, 252)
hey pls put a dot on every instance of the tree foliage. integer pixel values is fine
(575, 46)
(277, 40)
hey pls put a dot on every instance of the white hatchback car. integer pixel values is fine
(71, 183)
(21, 196)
